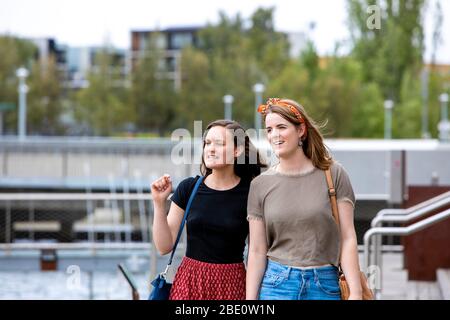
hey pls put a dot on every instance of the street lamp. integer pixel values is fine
(22, 74)
(425, 80)
(228, 110)
(444, 124)
(258, 89)
(388, 106)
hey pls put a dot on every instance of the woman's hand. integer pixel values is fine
(161, 188)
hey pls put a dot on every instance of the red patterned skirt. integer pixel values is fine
(197, 280)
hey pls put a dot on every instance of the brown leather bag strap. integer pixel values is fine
(334, 207)
(332, 195)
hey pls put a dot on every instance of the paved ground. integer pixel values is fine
(112, 285)
(395, 284)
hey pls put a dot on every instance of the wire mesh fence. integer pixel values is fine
(75, 218)
(43, 235)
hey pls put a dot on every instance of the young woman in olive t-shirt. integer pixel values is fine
(295, 244)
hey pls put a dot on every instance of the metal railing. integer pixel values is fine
(142, 211)
(82, 144)
(73, 196)
(403, 215)
(400, 231)
(90, 198)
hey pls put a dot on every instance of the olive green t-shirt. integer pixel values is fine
(296, 209)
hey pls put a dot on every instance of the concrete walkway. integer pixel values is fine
(395, 284)
(21, 284)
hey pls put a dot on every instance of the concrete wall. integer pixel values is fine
(34, 165)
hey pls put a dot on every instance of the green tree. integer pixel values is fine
(336, 93)
(392, 57)
(407, 114)
(333, 93)
(45, 103)
(269, 47)
(102, 105)
(152, 92)
(14, 53)
(294, 82)
(240, 56)
(309, 60)
(367, 116)
(439, 83)
(397, 47)
(198, 95)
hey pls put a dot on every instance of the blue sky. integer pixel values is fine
(94, 22)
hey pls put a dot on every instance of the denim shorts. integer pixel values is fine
(282, 282)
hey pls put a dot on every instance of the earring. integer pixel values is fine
(300, 143)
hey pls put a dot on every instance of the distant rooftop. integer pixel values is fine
(171, 29)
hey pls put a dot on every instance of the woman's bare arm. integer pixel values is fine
(257, 258)
(349, 250)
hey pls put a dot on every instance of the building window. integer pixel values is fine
(181, 40)
(161, 42)
(171, 64)
(143, 41)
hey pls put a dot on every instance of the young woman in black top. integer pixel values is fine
(213, 267)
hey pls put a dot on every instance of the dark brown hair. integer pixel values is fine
(248, 165)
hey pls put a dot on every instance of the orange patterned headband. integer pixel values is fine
(278, 102)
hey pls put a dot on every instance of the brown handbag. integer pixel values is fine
(367, 293)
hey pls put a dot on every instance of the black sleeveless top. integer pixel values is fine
(217, 223)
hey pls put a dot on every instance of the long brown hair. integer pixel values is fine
(248, 165)
(313, 144)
